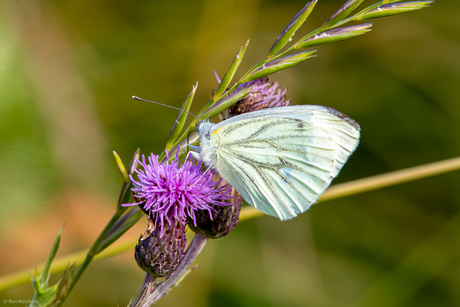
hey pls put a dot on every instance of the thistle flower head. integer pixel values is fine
(170, 192)
(264, 94)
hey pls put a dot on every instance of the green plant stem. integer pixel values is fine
(413, 270)
(377, 182)
(22, 277)
(93, 251)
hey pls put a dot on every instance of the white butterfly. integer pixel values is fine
(279, 159)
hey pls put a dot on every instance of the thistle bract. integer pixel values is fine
(223, 219)
(158, 253)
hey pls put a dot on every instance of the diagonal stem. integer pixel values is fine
(336, 191)
(149, 294)
(93, 251)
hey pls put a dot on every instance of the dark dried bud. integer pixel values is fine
(223, 220)
(159, 254)
(263, 95)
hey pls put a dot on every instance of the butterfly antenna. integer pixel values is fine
(165, 105)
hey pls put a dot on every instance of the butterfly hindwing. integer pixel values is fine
(280, 160)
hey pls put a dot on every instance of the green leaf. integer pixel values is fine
(52, 296)
(391, 9)
(290, 29)
(180, 119)
(226, 103)
(64, 284)
(390, 1)
(44, 275)
(121, 167)
(230, 72)
(133, 163)
(125, 195)
(120, 227)
(278, 65)
(45, 294)
(333, 36)
(342, 13)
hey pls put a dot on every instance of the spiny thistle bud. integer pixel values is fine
(222, 220)
(159, 253)
(264, 94)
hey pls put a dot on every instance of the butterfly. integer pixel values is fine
(279, 159)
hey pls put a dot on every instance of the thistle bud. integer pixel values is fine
(159, 253)
(264, 94)
(221, 220)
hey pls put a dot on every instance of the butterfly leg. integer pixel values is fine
(195, 153)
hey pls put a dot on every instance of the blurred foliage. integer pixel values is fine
(69, 68)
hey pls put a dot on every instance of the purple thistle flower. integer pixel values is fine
(264, 94)
(170, 192)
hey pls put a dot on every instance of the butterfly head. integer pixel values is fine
(203, 128)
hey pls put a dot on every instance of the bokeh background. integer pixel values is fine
(69, 68)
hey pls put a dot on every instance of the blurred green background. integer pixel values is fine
(69, 68)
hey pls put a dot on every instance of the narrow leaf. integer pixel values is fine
(121, 226)
(64, 285)
(134, 162)
(278, 65)
(334, 36)
(226, 103)
(121, 167)
(342, 13)
(230, 72)
(290, 29)
(54, 249)
(390, 1)
(45, 294)
(125, 196)
(180, 119)
(391, 9)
